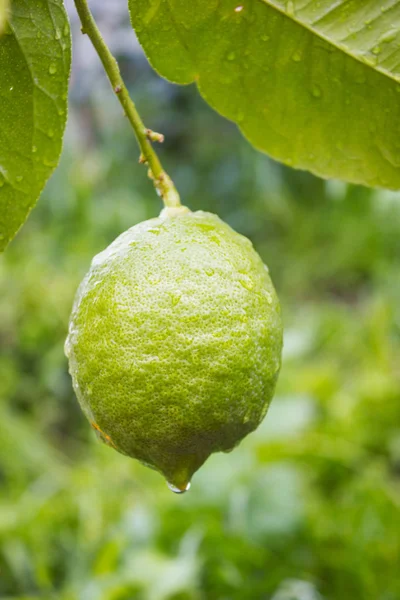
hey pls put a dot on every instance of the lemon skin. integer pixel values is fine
(175, 342)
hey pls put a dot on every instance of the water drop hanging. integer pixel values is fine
(177, 490)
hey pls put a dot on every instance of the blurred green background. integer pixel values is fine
(308, 507)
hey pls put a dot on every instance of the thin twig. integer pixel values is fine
(162, 182)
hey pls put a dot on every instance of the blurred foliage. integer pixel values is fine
(308, 507)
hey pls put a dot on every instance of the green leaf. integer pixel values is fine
(35, 56)
(315, 84)
(3, 14)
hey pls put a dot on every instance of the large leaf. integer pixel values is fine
(314, 83)
(35, 56)
(3, 14)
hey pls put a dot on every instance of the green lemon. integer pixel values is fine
(175, 342)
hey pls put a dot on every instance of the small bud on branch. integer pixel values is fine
(153, 136)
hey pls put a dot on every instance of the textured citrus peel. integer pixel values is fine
(175, 342)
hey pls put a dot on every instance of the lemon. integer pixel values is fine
(175, 342)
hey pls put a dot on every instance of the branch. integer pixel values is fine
(162, 182)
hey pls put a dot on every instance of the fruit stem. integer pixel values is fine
(162, 182)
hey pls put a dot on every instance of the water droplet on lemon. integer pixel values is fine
(177, 490)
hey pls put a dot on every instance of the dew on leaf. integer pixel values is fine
(290, 8)
(52, 69)
(389, 36)
(49, 163)
(371, 61)
(316, 91)
(297, 57)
